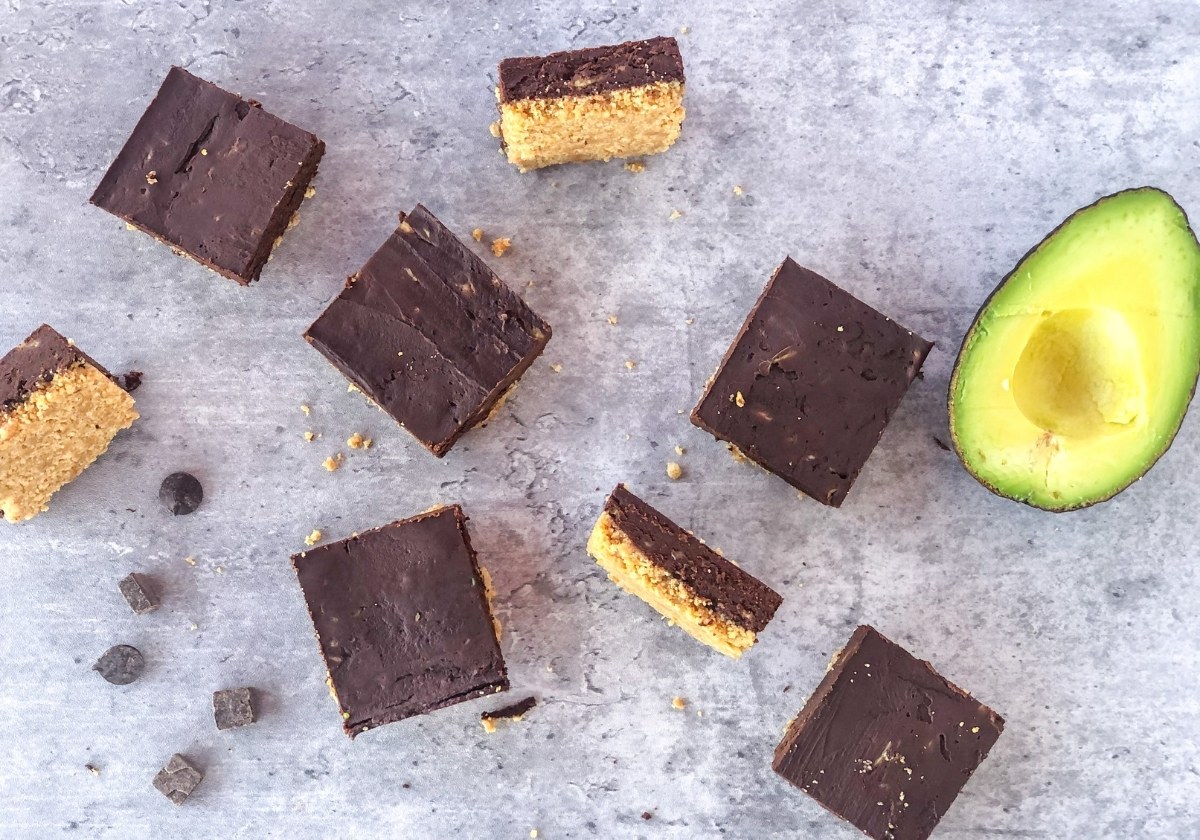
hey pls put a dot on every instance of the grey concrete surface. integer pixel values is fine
(911, 152)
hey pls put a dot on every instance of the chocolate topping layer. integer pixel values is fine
(429, 332)
(212, 174)
(886, 742)
(593, 70)
(731, 592)
(34, 361)
(810, 382)
(402, 619)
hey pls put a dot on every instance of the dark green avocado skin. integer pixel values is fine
(975, 323)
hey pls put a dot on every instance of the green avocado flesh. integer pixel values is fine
(1078, 370)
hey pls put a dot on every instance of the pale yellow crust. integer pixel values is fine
(630, 122)
(629, 568)
(55, 434)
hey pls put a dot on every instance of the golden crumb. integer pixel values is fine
(689, 321)
(357, 441)
(204, 152)
(674, 471)
(191, 561)
(314, 537)
(737, 190)
(310, 192)
(557, 368)
(635, 166)
(489, 725)
(630, 363)
(333, 462)
(351, 388)
(310, 436)
(675, 214)
(93, 769)
(494, 128)
(679, 450)
(477, 234)
(219, 570)
(739, 400)
(612, 320)
(683, 30)
(501, 245)
(533, 833)
(130, 226)
(193, 626)
(678, 703)
(307, 411)
(152, 177)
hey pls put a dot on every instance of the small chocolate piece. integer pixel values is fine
(59, 410)
(233, 707)
(212, 175)
(131, 381)
(138, 593)
(429, 333)
(515, 711)
(810, 382)
(181, 492)
(402, 619)
(885, 742)
(599, 103)
(120, 664)
(178, 779)
(708, 597)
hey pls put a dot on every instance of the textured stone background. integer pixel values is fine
(911, 152)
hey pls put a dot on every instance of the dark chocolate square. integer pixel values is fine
(885, 742)
(810, 383)
(233, 707)
(429, 333)
(212, 175)
(403, 619)
(178, 779)
(138, 593)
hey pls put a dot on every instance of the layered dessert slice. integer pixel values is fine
(688, 583)
(592, 104)
(59, 410)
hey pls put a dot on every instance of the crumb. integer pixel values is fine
(689, 321)
(489, 725)
(310, 437)
(193, 626)
(646, 815)
(152, 177)
(332, 462)
(630, 363)
(635, 166)
(737, 190)
(219, 570)
(674, 471)
(700, 713)
(191, 561)
(494, 128)
(357, 441)
(679, 703)
(675, 214)
(477, 234)
(307, 411)
(612, 320)
(679, 450)
(406, 785)
(204, 153)
(351, 388)
(533, 833)
(501, 245)
(130, 226)
(683, 30)
(557, 368)
(739, 400)
(310, 192)
(92, 768)
(314, 537)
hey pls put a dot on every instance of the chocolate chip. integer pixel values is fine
(178, 779)
(138, 593)
(646, 815)
(233, 707)
(131, 381)
(181, 492)
(120, 664)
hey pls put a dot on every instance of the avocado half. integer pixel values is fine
(1077, 371)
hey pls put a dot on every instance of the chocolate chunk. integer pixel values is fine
(429, 333)
(131, 381)
(233, 707)
(138, 593)
(810, 383)
(120, 664)
(885, 742)
(181, 492)
(592, 70)
(212, 175)
(515, 711)
(178, 779)
(403, 619)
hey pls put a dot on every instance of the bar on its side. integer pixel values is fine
(59, 410)
(618, 101)
(707, 596)
(429, 333)
(886, 742)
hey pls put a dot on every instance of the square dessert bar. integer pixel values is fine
(59, 410)
(212, 175)
(691, 585)
(810, 383)
(885, 742)
(593, 104)
(403, 619)
(429, 333)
